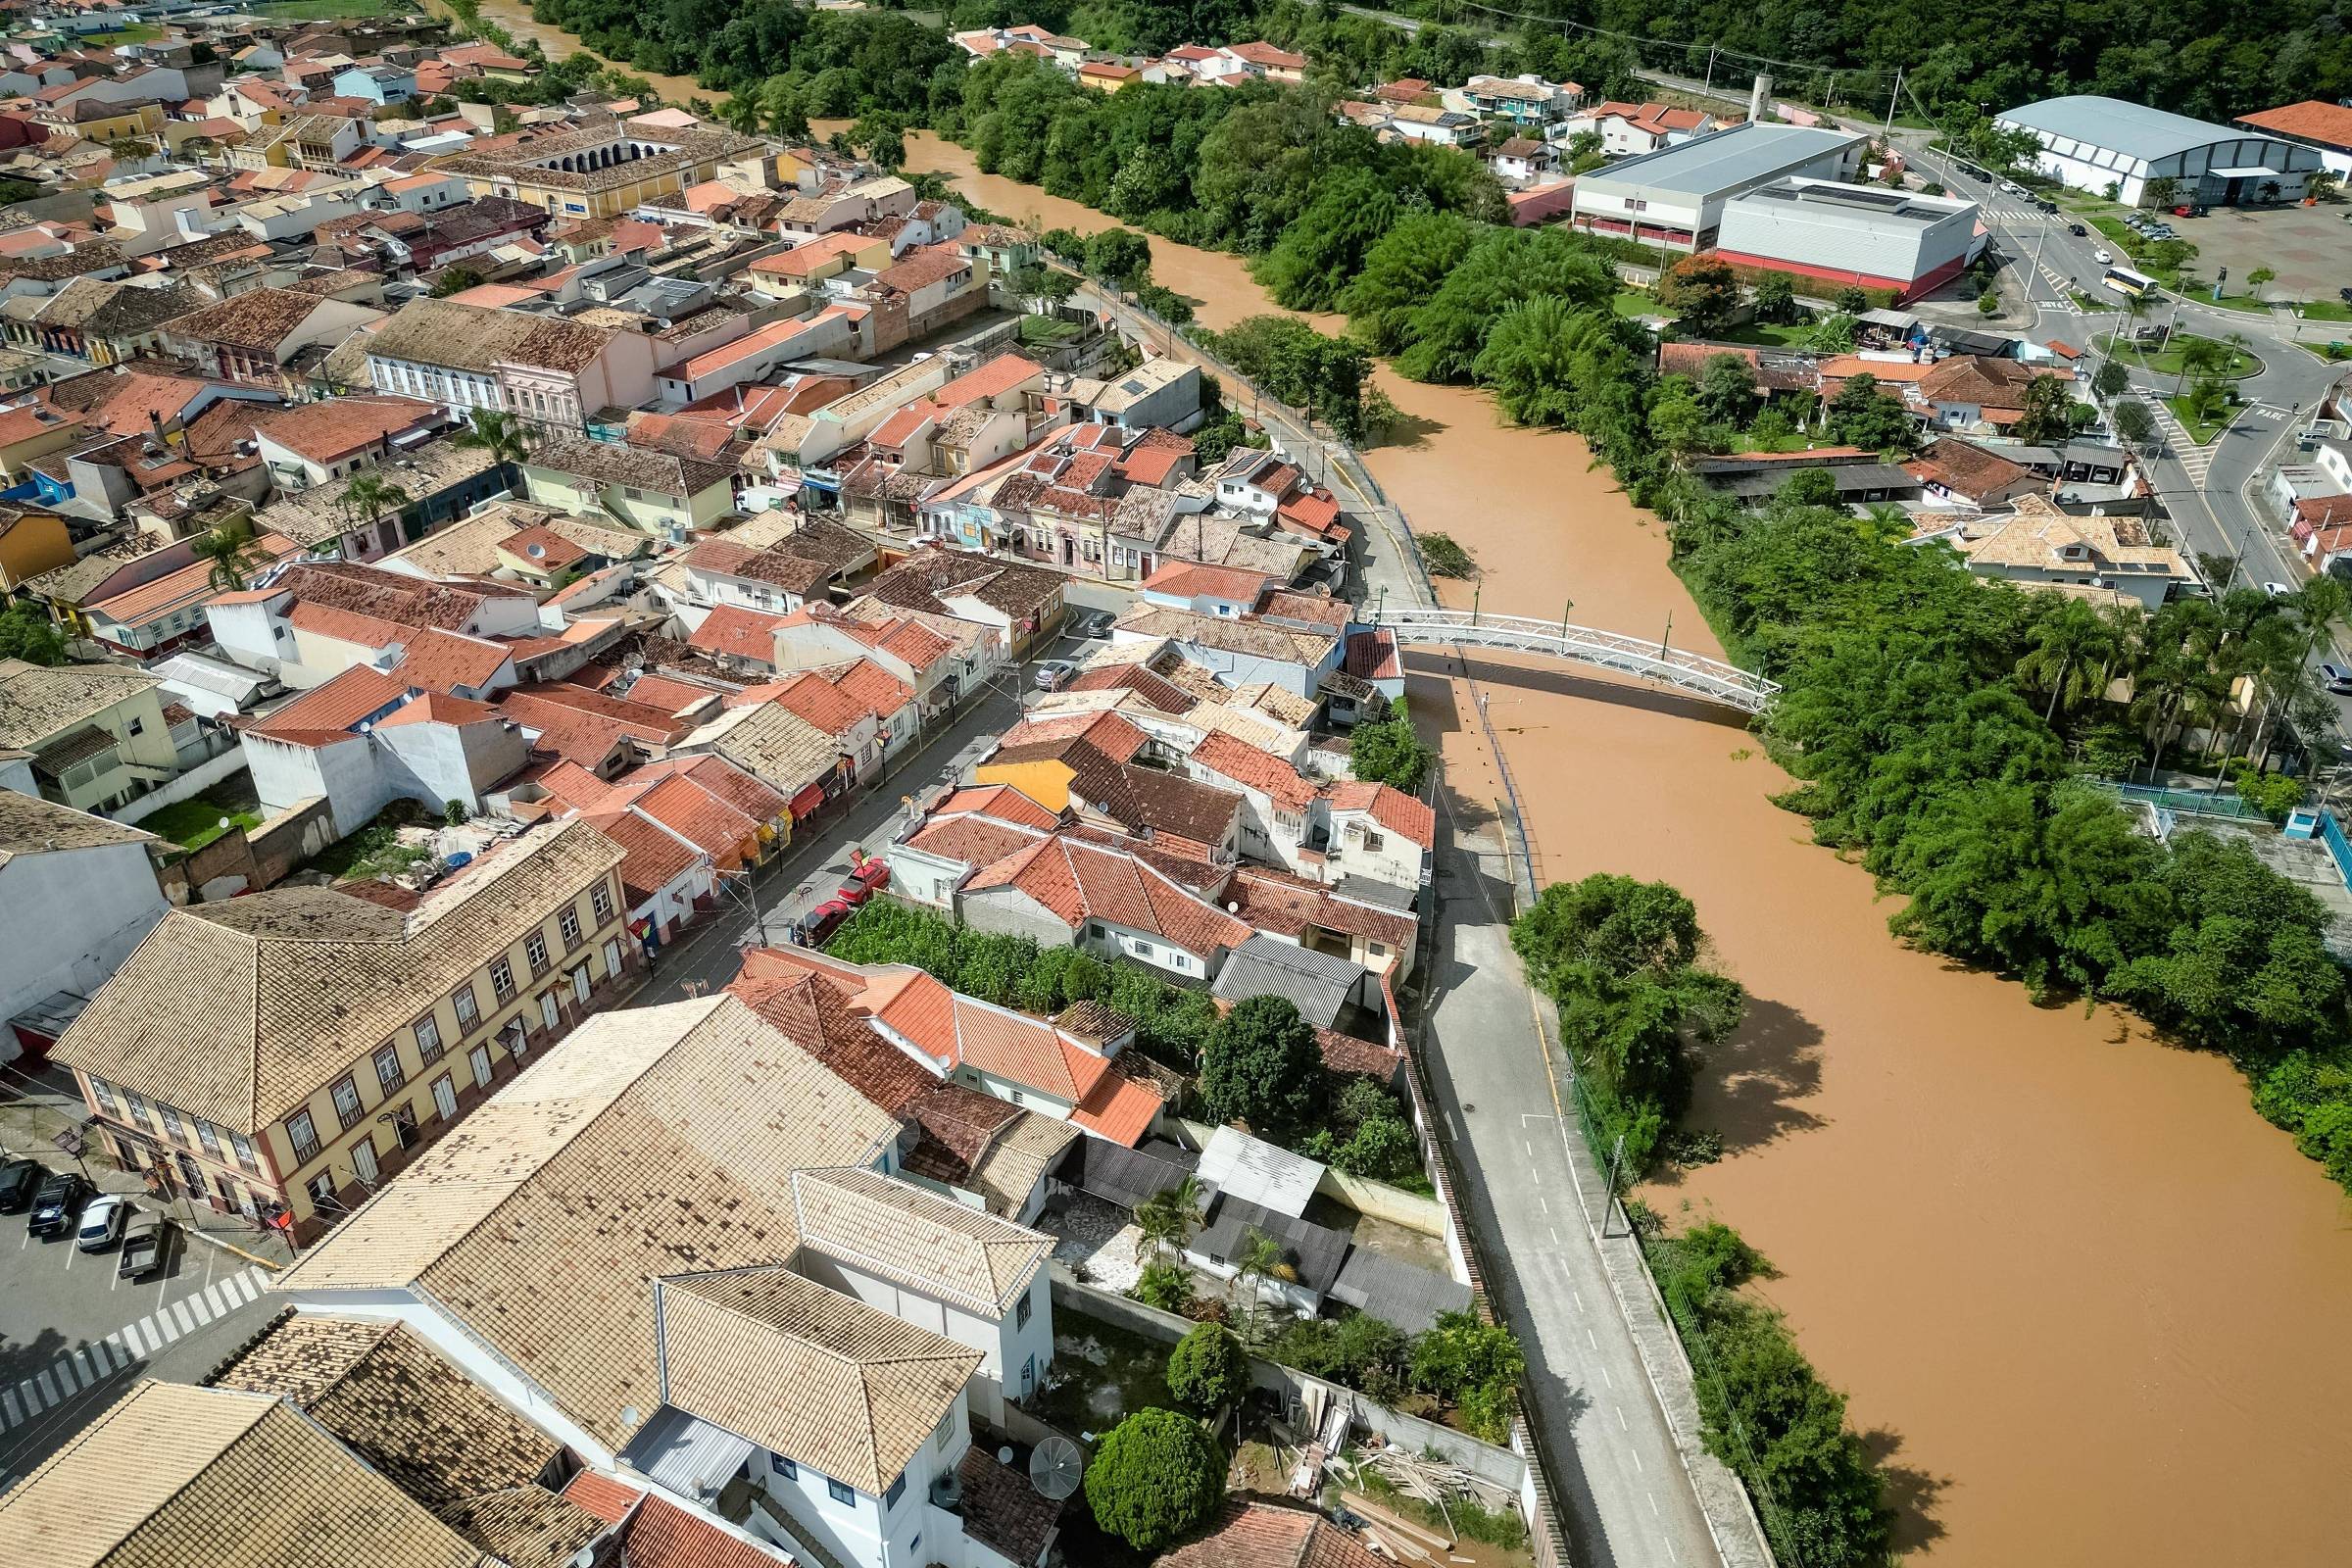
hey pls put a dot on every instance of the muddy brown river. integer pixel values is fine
(2087, 1305)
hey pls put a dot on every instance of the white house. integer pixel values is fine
(76, 893)
(366, 739)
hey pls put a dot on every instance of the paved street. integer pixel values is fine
(809, 872)
(74, 1334)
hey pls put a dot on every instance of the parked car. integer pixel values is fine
(58, 1204)
(2102, 256)
(2336, 678)
(1092, 624)
(103, 1221)
(146, 1246)
(2078, 230)
(1054, 674)
(822, 921)
(2345, 294)
(17, 1183)
(871, 873)
(2276, 590)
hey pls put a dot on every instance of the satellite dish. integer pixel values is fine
(1056, 1468)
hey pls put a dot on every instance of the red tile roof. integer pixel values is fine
(660, 1533)
(1391, 807)
(735, 632)
(2313, 120)
(443, 660)
(822, 703)
(655, 857)
(1250, 1534)
(1077, 881)
(328, 712)
(1262, 770)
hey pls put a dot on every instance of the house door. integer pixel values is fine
(579, 985)
(363, 1160)
(549, 1014)
(404, 1126)
(445, 1097)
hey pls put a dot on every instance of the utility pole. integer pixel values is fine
(1709, 90)
(1892, 99)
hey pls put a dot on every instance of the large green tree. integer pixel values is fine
(1260, 1066)
(1154, 1476)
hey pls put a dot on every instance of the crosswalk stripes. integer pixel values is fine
(88, 1365)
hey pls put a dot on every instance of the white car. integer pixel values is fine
(2276, 590)
(2102, 257)
(103, 1221)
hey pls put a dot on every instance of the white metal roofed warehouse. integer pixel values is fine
(1675, 196)
(2091, 143)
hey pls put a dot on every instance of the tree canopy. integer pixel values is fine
(1154, 1476)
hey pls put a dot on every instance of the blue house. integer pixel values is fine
(380, 85)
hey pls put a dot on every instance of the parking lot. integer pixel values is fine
(74, 1334)
(2310, 247)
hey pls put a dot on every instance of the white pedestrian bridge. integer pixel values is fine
(1694, 674)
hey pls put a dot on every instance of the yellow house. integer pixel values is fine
(112, 121)
(598, 173)
(31, 432)
(284, 1053)
(96, 733)
(32, 542)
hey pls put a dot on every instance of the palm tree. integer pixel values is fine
(1168, 1218)
(2071, 649)
(231, 551)
(1257, 1259)
(501, 435)
(372, 495)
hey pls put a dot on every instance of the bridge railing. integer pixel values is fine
(1634, 656)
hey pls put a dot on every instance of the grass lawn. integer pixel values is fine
(2326, 310)
(1043, 331)
(1781, 336)
(133, 33)
(195, 822)
(2201, 431)
(1634, 302)
(2168, 362)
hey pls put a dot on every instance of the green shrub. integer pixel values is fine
(1154, 1476)
(1208, 1369)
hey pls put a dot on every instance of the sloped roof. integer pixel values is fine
(920, 1239)
(808, 1372)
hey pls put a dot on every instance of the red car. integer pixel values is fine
(865, 878)
(822, 921)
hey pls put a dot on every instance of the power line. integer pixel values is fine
(1637, 41)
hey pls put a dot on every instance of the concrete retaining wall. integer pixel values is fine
(289, 838)
(1383, 1201)
(195, 781)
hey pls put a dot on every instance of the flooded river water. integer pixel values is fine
(2090, 1307)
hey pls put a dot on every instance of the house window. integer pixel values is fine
(839, 1491)
(321, 1189)
(428, 1038)
(602, 901)
(469, 1011)
(569, 922)
(103, 1096)
(209, 1137)
(946, 1430)
(303, 1134)
(502, 979)
(134, 1108)
(480, 1058)
(534, 948)
(346, 1096)
(243, 1148)
(388, 1071)
(171, 1127)
(1021, 1310)
(137, 726)
(363, 1160)
(898, 1490)
(786, 1468)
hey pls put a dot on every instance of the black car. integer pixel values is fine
(58, 1204)
(2046, 204)
(2078, 230)
(17, 1183)
(2344, 294)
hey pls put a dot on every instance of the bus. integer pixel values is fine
(2123, 280)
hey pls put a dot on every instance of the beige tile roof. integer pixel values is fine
(38, 702)
(395, 1403)
(2038, 533)
(808, 1372)
(920, 1239)
(469, 337)
(174, 1477)
(658, 1139)
(1006, 1173)
(237, 1011)
(525, 1527)
(31, 825)
(774, 744)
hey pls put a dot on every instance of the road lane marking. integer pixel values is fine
(1579, 1297)
(1653, 1505)
(1589, 1339)
(31, 1395)
(91, 1370)
(1604, 1375)
(1619, 1410)
(179, 1321)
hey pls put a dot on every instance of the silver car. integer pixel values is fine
(102, 1222)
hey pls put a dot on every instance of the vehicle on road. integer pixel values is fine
(2046, 204)
(146, 1246)
(17, 1183)
(2102, 256)
(822, 921)
(1093, 625)
(1052, 675)
(103, 1221)
(2345, 294)
(58, 1204)
(2276, 590)
(2013, 188)
(2123, 280)
(870, 875)
(2336, 678)
(2078, 230)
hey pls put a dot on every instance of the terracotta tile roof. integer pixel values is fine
(1000, 801)
(732, 631)
(681, 804)
(659, 1534)
(655, 1139)
(239, 1011)
(555, 699)
(1966, 469)
(443, 660)
(812, 1011)
(390, 595)
(1390, 807)
(1251, 1534)
(1153, 688)
(808, 1372)
(1078, 881)
(260, 319)
(995, 379)
(1120, 1109)
(2313, 120)
(794, 574)
(333, 428)
(1187, 580)
(653, 857)
(170, 1473)
(868, 683)
(1001, 1510)
(717, 776)
(334, 708)
(1251, 769)
(439, 708)
(1349, 1057)
(822, 703)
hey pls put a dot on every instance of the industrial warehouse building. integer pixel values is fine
(2091, 143)
(1866, 236)
(1675, 197)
